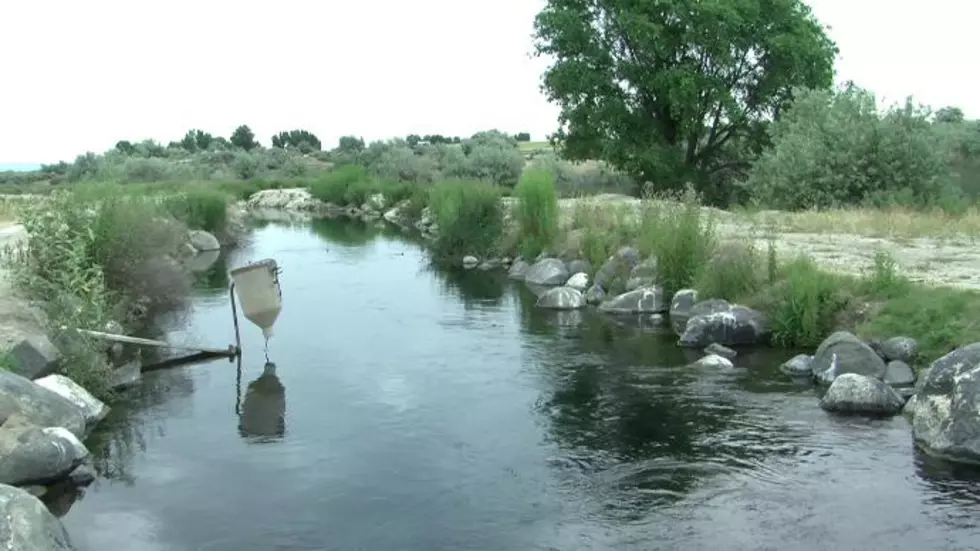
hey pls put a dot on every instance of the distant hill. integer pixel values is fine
(19, 167)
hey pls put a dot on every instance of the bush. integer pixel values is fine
(469, 216)
(497, 163)
(537, 212)
(733, 273)
(835, 149)
(97, 255)
(335, 186)
(682, 240)
(200, 208)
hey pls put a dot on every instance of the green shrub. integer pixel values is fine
(469, 216)
(804, 305)
(682, 240)
(335, 186)
(200, 208)
(731, 274)
(537, 212)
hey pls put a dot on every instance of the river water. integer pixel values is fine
(415, 410)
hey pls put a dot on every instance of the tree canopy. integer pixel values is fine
(677, 90)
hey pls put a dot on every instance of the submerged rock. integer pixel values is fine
(944, 410)
(726, 324)
(26, 524)
(841, 353)
(470, 262)
(680, 309)
(856, 393)
(595, 294)
(646, 300)
(800, 365)
(547, 271)
(720, 350)
(714, 360)
(561, 298)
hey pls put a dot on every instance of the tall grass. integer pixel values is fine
(682, 238)
(469, 216)
(537, 212)
(199, 207)
(803, 306)
(98, 254)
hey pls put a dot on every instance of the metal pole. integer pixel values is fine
(234, 317)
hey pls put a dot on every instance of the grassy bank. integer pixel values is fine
(805, 303)
(102, 255)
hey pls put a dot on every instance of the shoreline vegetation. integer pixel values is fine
(766, 208)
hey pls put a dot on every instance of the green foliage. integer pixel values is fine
(835, 149)
(200, 208)
(662, 90)
(682, 239)
(883, 280)
(469, 216)
(804, 305)
(98, 255)
(339, 186)
(537, 212)
(731, 274)
(243, 138)
(302, 140)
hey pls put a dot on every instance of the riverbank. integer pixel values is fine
(880, 331)
(91, 258)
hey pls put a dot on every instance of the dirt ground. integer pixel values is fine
(951, 261)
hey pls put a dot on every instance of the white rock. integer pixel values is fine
(78, 449)
(91, 407)
(714, 360)
(578, 281)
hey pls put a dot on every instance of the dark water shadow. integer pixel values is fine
(262, 411)
(474, 288)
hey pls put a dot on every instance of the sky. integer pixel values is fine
(81, 75)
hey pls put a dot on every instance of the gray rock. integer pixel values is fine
(726, 324)
(26, 524)
(518, 269)
(898, 373)
(643, 274)
(32, 455)
(841, 353)
(595, 294)
(800, 365)
(470, 261)
(561, 298)
(91, 407)
(127, 375)
(944, 410)
(201, 262)
(578, 281)
(547, 271)
(35, 356)
(579, 266)
(720, 350)
(615, 271)
(680, 309)
(856, 393)
(903, 349)
(203, 241)
(714, 360)
(83, 475)
(647, 300)
(38, 405)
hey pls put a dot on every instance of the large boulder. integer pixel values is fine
(35, 356)
(32, 455)
(38, 405)
(203, 241)
(579, 280)
(547, 272)
(91, 407)
(614, 273)
(293, 199)
(726, 324)
(944, 410)
(645, 300)
(518, 269)
(855, 393)
(842, 352)
(26, 524)
(680, 309)
(561, 298)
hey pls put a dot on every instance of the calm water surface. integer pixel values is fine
(413, 410)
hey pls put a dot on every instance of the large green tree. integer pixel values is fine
(677, 90)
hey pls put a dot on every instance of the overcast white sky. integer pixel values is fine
(82, 74)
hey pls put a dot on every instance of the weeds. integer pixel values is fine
(537, 212)
(469, 216)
